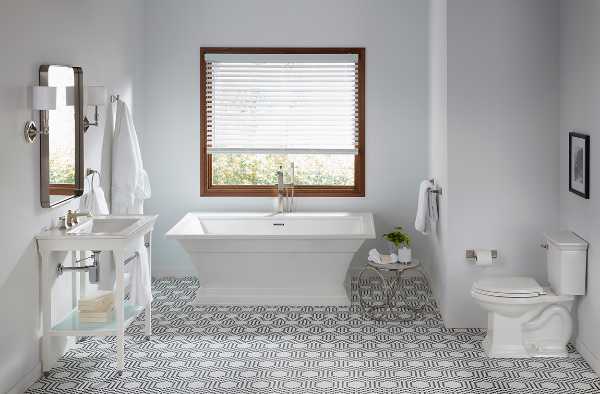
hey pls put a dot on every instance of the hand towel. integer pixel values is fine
(140, 291)
(375, 256)
(422, 219)
(378, 258)
(92, 200)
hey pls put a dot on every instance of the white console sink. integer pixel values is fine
(123, 236)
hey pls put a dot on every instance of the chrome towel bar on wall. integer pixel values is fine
(435, 189)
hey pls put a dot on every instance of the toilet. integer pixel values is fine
(526, 319)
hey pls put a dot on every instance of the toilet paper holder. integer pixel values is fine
(471, 257)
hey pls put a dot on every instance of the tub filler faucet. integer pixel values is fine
(285, 192)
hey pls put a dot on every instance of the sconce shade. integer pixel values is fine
(96, 95)
(44, 98)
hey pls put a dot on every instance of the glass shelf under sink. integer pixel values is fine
(70, 325)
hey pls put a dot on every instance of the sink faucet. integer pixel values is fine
(285, 192)
(71, 217)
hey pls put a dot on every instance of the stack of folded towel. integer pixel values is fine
(96, 308)
(378, 258)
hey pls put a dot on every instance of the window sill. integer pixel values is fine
(270, 191)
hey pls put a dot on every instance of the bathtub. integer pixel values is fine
(256, 258)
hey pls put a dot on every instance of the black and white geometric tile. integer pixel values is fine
(262, 349)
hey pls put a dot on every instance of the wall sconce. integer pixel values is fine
(96, 95)
(43, 99)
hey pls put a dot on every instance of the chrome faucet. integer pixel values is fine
(280, 191)
(285, 192)
(71, 217)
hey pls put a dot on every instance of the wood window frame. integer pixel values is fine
(61, 189)
(207, 189)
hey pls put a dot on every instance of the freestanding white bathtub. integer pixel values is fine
(272, 259)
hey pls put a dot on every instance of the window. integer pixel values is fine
(262, 108)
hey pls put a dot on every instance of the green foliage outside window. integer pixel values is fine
(261, 169)
(62, 166)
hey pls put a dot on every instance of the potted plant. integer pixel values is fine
(401, 242)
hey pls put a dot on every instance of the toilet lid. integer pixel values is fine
(509, 286)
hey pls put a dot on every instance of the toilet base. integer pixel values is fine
(504, 351)
(524, 328)
(527, 351)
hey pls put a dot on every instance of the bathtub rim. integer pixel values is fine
(176, 231)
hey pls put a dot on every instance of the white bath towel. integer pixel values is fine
(92, 200)
(423, 218)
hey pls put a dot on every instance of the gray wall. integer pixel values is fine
(104, 38)
(395, 34)
(579, 103)
(501, 143)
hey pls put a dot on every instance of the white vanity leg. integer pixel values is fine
(148, 321)
(148, 311)
(82, 277)
(46, 285)
(119, 312)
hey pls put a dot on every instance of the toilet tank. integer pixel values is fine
(567, 259)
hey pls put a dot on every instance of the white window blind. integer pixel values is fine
(282, 103)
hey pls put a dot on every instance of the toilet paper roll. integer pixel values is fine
(483, 257)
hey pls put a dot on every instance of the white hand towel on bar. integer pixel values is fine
(92, 199)
(423, 218)
(130, 187)
(140, 291)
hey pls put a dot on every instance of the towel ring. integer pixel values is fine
(93, 173)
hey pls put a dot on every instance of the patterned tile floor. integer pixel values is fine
(239, 349)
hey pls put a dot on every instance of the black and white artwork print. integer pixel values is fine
(579, 164)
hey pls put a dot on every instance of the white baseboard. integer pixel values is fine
(30, 378)
(172, 272)
(590, 357)
(159, 272)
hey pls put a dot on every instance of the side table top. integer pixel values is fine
(394, 266)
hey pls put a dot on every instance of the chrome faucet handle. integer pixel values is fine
(61, 222)
(72, 217)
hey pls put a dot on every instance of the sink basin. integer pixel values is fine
(97, 233)
(104, 226)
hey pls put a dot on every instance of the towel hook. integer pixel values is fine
(114, 98)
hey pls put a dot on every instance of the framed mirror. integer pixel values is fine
(61, 149)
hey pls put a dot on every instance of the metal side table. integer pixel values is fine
(383, 299)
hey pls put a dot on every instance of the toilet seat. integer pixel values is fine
(509, 287)
(515, 291)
